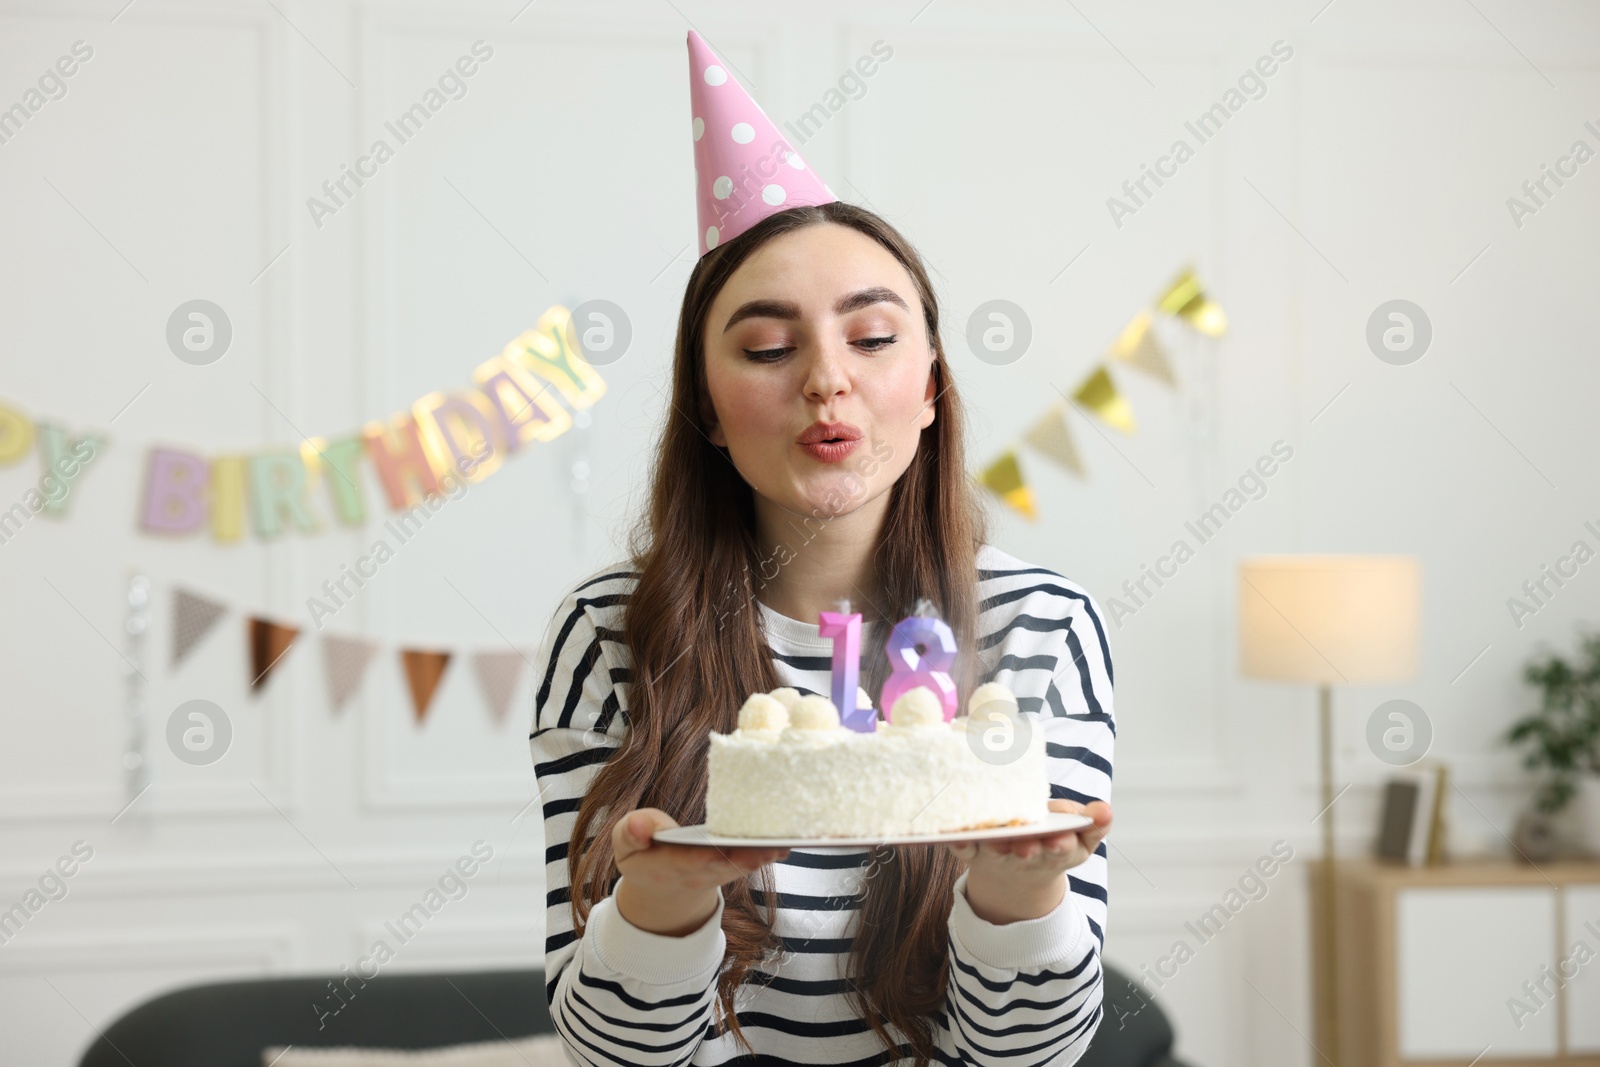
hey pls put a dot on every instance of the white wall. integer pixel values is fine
(1376, 166)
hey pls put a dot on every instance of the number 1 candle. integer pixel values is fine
(845, 629)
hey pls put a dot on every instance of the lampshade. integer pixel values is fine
(1338, 620)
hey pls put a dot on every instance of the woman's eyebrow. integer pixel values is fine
(785, 309)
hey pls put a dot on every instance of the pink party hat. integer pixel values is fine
(744, 169)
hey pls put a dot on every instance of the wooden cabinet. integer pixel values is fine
(1459, 954)
(1496, 964)
(1582, 923)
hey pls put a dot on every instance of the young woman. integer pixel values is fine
(817, 324)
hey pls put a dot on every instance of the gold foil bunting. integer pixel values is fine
(1051, 436)
(1099, 394)
(1004, 479)
(1137, 346)
(1186, 299)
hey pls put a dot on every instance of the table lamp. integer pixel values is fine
(1345, 620)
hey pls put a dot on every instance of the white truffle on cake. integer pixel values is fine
(917, 707)
(785, 695)
(989, 698)
(814, 713)
(763, 714)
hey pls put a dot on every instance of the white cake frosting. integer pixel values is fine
(791, 770)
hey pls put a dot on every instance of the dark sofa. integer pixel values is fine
(227, 1024)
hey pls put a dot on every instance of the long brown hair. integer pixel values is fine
(699, 565)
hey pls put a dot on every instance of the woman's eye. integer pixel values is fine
(772, 355)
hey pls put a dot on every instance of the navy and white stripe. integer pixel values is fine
(1025, 994)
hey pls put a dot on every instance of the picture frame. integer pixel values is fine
(1411, 820)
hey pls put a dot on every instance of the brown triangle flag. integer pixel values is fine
(193, 616)
(1003, 478)
(498, 673)
(268, 643)
(423, 671)
(1137, 347)
(1099, 394)
(345, 661)
(1051, 436)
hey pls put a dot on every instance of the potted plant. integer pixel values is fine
(1561, 742)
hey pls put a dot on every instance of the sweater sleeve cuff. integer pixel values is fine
(656, 959)
(1027, 944)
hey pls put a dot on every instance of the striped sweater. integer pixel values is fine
(1024, 993)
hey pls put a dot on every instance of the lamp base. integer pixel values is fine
(1324, 921)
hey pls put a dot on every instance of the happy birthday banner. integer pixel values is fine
(464, 434)
(466, 431)
(1136, 346)
(345, 659)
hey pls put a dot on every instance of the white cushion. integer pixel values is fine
(540, 1050)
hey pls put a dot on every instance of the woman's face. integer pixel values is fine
(819, 325)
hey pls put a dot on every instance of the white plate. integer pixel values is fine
(1054, 822)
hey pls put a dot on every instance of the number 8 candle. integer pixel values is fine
(845, 629)
(909, 669)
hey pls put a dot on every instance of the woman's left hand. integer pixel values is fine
(1018, 878)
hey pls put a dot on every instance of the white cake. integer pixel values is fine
(791, 770)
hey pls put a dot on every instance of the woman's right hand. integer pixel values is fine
(672, 889)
